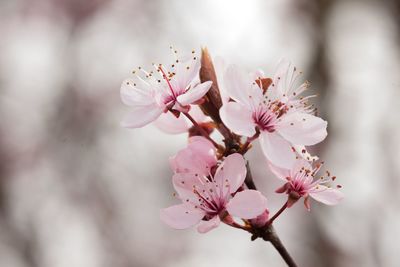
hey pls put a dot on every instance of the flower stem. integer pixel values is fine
(246, 145)
(200, 129)
(276, 215)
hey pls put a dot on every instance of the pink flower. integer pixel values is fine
(172, 87)
(284, 129)
(208, 199)
(301, 182)
(198, 157)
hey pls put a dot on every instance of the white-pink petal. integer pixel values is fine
(233, 170)
(277, 150)
(238, 119)
(132, 95)
(140, 116)
(206, 226)
(302, 128)
(181, 216)
(299, 166)
(184, 183)
(194, 94)
(220, 69)
(204, 149)
(184, 75)
(198, 157)
(242, 88)
(247, 204)
(325, 195)
(170, 124)
(281, 173)
(237, 83)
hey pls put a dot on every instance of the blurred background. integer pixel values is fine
(76, 189)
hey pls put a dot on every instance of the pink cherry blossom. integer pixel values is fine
(301, 182)
(198, 157)
(208, 199)
(172, 87)
(284, 129)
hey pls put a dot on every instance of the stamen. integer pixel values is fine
(167, 80)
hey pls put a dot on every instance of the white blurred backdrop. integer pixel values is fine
(78, 190)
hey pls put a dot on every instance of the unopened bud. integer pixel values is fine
(261, 220)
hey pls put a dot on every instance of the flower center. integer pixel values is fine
(170, 97)
(211, 195)
(298, 186)
(265, 119)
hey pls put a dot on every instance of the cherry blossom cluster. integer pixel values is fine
(224, 109)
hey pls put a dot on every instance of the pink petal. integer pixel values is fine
(238, 119)
(132, 95)
(299, 165)
(206, 226)
(232, 171)
(241, 87)
(194, 94)
(257, 74)
(181, 216)
(185, 76)
(170, 124)
(277, 150)
(282, 77)
(204, 149)
(140, 116)
(247, 204)
(220, 69)
(281, 173)
(236, 82)
(302, 128)
(328, 196)
(198, 157)
(185, 161)
(184, 183)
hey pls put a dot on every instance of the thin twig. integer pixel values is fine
(249, 178)
(270, 221)
(200, 129)
(246, 145)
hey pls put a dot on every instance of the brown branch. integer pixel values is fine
(200, 129)
(271, 236)
(267, 232)
(249, 178)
